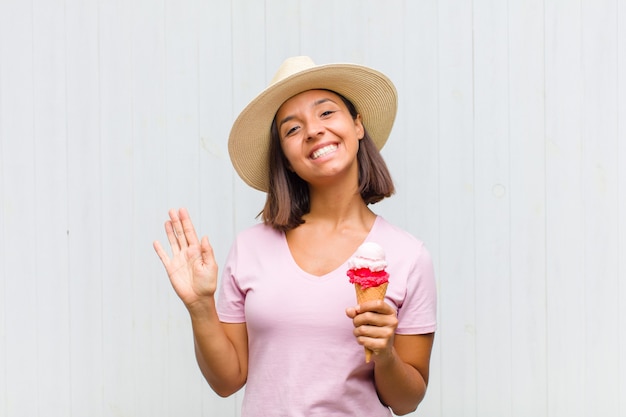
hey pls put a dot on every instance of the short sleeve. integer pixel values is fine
(418, 314)
(231, 298)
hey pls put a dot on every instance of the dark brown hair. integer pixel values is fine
(288, 195)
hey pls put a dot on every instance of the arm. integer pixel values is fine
(402, 377)
(221, 349)
(401, 362)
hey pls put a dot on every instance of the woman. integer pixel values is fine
(283, 323)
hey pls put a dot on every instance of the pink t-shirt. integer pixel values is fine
(304, 360)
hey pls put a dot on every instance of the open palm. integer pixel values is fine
(191, 268)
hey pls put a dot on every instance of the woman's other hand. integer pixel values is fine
(375, 324)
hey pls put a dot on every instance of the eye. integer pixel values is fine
(327, 113)
(291, 131)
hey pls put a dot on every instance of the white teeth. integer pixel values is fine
(323, 151)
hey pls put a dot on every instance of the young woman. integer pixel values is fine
(283, 322)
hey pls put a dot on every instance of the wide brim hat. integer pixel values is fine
(373, 94)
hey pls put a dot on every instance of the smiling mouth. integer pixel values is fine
(323, 151)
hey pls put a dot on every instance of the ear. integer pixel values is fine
(358, 126)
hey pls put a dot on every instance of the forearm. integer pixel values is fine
(218, 358)
(399, 385)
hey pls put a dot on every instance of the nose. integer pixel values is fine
(314, 129)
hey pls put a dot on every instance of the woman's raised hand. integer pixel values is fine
(192, 269)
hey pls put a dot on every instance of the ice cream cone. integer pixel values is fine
(369, 294)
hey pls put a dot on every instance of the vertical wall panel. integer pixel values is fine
(317, 27)
(282, 33)
(600, 204)
(456, 215)
(564, 212)
(334, 31)
(492, 208)
(181, 89)
(419, 115)
(621, 204)
(18, 167)
(528, 207)
(3, 253)
(117, 188)
(51, 196)
(350, 29)
(420, 152)
(84, 208)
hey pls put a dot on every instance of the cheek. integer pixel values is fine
(289, 152)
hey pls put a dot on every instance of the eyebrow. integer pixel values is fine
(315, 103)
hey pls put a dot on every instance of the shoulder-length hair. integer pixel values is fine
(288, 194)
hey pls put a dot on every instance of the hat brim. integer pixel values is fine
(372, 93)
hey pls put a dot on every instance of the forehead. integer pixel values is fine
(308, 98)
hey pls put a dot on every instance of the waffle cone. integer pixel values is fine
(369, 294)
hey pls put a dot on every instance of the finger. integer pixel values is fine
(375, 319)
(371, 331)
(169, 231)
(375, 306)
(171, 237)
(374, 346)
(208, 257)
(187, 225)
(374, 338)
(351, 312)
(178, 229)
(161, 252)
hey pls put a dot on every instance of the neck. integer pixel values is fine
(337, 205)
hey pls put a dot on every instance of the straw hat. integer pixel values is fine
(371, 92)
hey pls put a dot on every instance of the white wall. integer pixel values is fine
(508, 154)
